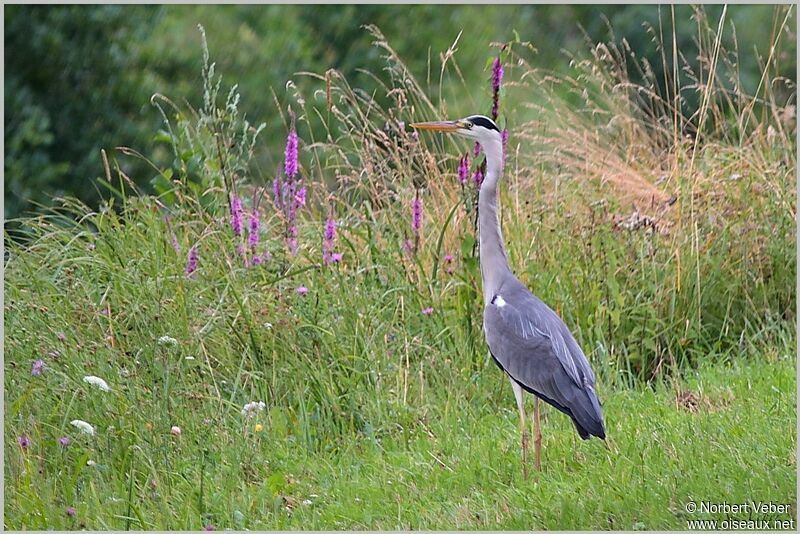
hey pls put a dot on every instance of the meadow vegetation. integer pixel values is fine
(665, 238)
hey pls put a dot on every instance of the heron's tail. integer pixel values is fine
(589, 420)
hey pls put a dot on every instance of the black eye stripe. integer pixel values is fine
(486, 122)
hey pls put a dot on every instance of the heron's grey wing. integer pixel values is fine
(526, 346)
(530, 317)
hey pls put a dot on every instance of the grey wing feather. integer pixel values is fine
(532, 344)
(532, 318)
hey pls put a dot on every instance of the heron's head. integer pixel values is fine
(476, 127)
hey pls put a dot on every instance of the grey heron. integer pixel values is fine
(526, 338)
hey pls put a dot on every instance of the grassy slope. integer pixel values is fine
(376, 418)
(461, 470)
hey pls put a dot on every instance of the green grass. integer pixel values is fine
(458, 466)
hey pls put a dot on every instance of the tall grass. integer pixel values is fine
(661, 245)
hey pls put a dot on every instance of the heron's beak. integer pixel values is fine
(438, 126)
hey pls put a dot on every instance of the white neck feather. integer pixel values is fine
(494, 265)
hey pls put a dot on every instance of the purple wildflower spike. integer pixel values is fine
(478, 177)
(476, 150)
(416, 214)
(463, 169)
(64, 441)
(37, 368)
(329, 240)
(253, 228)
(300, 197)
(191, 261)
(24, 442)
(236, 215)
(497, 80)
(290, 165)
(504, 138)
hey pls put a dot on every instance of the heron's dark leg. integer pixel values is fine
(518, 393)
(537, 436)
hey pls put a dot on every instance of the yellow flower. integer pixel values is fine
(259, 427)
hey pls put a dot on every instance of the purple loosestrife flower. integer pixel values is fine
(476, 150)
(448, 260)
(236, 215)
(478, 177)
(300, 197)
(416, 214)
(497, 80)
(24, 442)
(504, 138)
(463, 169)
(191, 261)
(330, 231)
(329, 241)
(290, 165)
(253, 227)
(37, 368)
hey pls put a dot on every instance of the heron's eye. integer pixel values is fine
(468, 125)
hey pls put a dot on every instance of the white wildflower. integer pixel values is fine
(306, 502)
(97, 381)
(91, 463)
(249, 409)
(83, 426)
(166, 341)
(175, 430)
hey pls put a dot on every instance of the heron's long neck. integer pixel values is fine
(494, 265)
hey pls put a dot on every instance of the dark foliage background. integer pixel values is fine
(79, 78)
